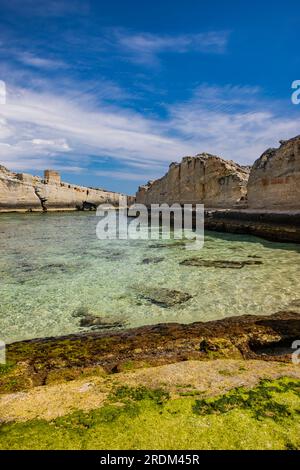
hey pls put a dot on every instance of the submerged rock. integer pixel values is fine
(54, 267)
(87, 319)
(163, 297)
(81, 312)
(174, 244)
(111, 255)
(223, 264)
(152, 260)
(101, 323)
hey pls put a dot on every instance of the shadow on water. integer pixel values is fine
(231, 237)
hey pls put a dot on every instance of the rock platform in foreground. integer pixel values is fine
(244, 337)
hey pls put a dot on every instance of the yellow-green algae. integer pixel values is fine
(265, 417)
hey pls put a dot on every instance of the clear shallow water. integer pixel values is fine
(51, 265)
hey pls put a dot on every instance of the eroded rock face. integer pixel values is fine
(16, 193)
(274, 181)
(24, 192)
(204, 179)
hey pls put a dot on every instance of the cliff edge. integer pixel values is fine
(24, 192)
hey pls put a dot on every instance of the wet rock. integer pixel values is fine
(164, 297)
(222, 264)
(246, 336)
(152, 260)
(213, 345)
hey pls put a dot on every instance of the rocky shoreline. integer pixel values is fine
(36, 362)
(262, 200)
(277, 226)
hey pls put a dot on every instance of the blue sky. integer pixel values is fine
(111, 92)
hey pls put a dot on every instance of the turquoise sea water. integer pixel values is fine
(53, 265)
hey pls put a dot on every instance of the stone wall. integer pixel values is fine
(23, 192)
(204, 179)
(274, 182)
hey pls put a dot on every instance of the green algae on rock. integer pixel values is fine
(134, 418)
(260, 401)
(249, 337)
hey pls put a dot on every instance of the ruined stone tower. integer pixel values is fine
(51, 177)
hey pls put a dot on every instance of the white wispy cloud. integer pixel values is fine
(145, 48)
(32, 60)
(124, 175)
(236, 122)
(42, 128)
(31, 117)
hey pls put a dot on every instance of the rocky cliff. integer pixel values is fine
(274, 182)
(273, 185)
(24, 192)
(205, 179)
